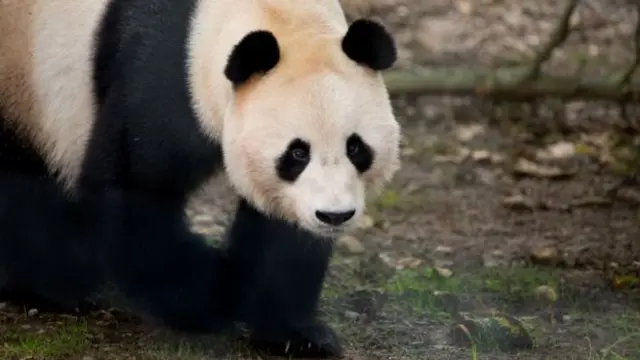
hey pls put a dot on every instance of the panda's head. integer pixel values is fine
(311, 129)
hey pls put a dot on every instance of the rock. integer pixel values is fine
(546, 255)
(351, 244)
(208, 229)
(444, 250)
(442, 263)
(3, 305)
(464, 7)
(466, 133)
(351, 315)
(408, 151)
(570, 258)
(481, 155)
(32, 312)
(217, 230)
(485, 176)
(444, 272)
(558, 151)
(366, 222)
(497, 158)
(493, 259)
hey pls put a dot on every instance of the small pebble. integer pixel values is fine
(445, 250)
(445, 273)
(351, 244)
(351, 314)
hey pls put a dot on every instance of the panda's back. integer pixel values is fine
(45, 76)
(61, 61)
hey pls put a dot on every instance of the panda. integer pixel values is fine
(113, 113)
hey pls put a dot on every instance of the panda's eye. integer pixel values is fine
(292, 162)
(353, 148)
(300, 154)
(359, 153)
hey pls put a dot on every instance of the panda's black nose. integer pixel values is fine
(334, 218)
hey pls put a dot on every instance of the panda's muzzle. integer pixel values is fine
(334, 218)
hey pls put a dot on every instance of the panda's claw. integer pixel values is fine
(311, 341)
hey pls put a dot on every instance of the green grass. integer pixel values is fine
(57, 341)
(419, 301)
(417, 309)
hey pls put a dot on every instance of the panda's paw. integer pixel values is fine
(310, 341)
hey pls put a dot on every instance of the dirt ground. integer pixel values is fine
(497, 226)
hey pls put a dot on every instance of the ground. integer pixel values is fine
(497, 226)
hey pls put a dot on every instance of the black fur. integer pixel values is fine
(294, 160)
(369, 44)
(359, 153)
(256, 53)
(126, 225)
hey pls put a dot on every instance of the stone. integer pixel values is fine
(444, 272)
(351, 244)
(444, 250)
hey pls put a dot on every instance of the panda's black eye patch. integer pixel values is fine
(359, 153)
(294, 160)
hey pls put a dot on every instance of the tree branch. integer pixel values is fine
(505, 83)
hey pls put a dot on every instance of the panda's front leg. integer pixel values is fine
(278, 273)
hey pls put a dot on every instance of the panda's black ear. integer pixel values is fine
(368, 43)
(257, 53)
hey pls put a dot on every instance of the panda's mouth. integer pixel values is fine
(330, 232)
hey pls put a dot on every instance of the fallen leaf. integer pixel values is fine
(408, 263)
(519, 203)
(546, 292)
(524, 167)
(625, 281)
(545, 255)
(445, 250)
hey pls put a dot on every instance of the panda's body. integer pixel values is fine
(113, 112)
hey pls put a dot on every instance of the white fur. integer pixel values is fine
(315, 93)
(53, 97)
(323, 109)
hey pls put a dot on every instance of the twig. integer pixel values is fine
(557, 38)
(627, 75)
